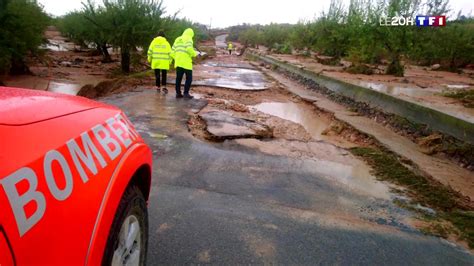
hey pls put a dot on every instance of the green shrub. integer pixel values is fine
(23, 23)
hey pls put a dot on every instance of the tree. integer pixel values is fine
(23, 23)
(125, 24)
(251, 37)
(131, 24)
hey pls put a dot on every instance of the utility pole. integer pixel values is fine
(210, 26)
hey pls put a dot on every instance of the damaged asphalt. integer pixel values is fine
(222, 203)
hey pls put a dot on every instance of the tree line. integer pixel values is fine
(128, 25)
(123, 24)
(353, 32)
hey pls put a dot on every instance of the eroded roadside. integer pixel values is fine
(279, 122)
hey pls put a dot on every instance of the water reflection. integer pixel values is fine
(311, 122)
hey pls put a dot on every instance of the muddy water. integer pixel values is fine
(66, 88)
(353, 175)
(428, 97)
(59, 86)
(328, 161)
(58, 46)
(397, 90)
(331, 162)
(312, 123)
(457, 86)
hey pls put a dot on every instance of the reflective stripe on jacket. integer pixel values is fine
(183, 50)
(159, 54)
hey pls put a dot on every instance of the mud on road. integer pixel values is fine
(266, 177)
(248, 172)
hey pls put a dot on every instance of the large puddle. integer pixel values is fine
(397, 90)
(311, 122)
(39, 83)
(429, 97)
(352, 174)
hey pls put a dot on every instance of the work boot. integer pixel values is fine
(165, 90)
(179, 96)
(187, 96)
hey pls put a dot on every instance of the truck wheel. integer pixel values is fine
(128, 236)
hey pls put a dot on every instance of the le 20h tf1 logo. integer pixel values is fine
(420, 21)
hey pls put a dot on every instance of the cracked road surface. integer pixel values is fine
(224, 203)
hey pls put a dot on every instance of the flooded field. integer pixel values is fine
(70, 87)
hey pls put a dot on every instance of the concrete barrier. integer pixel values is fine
(436, 120)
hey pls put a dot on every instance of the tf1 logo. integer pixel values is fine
(420, 21)
(434, 21)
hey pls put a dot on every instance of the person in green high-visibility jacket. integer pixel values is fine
(183, 53)
(229, 47)
(159, 57)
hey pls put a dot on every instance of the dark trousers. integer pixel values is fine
(230, 51)
(163, 77)
(179, 77)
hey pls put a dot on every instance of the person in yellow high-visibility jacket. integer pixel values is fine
(159, 57)
(183, 53)
(229, 47)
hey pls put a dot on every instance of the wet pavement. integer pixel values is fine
(225, 203)
(221, 41)
(232, 76)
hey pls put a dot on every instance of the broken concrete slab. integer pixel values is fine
(222, 125)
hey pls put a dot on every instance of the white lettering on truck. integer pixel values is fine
(85, 155)
(81, 156)
(49, 158)
(18, 201)
(103, 136)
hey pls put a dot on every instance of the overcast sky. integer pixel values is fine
(232, 12)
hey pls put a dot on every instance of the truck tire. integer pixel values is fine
(128, 237)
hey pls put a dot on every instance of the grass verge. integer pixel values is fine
(448, 203)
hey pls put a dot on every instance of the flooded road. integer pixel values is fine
(221, 41)
(227, 203)
(277, 200)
